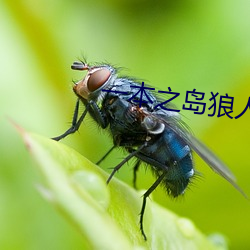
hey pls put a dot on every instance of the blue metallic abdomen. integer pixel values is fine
(172, 156)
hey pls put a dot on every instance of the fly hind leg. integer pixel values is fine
(145, 196)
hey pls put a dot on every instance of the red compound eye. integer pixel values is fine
(97, 79)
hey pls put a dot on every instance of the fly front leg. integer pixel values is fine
(75, 123)
(94, 111)
(97, 114)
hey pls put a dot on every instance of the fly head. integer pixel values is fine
(97, 78)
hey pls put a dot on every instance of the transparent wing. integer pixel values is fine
(206, 154)
(212, 160)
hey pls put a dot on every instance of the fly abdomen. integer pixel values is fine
(178, 176)
(177, 147)
(180, 166)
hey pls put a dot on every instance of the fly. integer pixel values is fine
(152, 135)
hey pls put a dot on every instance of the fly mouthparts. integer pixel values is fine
(79, 66)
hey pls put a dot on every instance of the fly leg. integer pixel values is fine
(125, 160)
(75, 123)
(136, 167)
(105, 155)
(93, 109)
(145, 196)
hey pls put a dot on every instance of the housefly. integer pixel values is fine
(152, 135)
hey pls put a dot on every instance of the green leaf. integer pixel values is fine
(107, 215)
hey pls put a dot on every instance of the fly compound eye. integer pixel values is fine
(97, 79)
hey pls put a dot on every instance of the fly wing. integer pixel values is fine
(209, 157)
(206, 154)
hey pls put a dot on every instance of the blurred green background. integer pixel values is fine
(178, 44)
